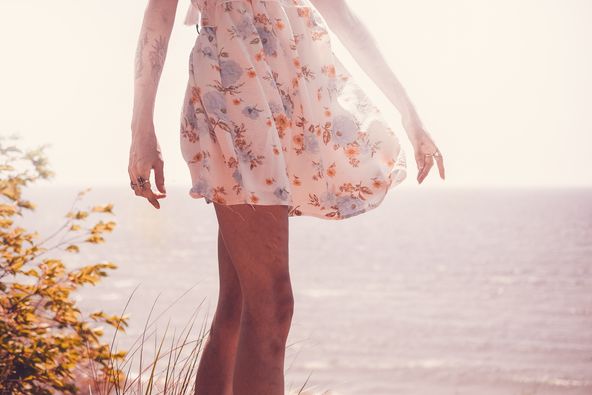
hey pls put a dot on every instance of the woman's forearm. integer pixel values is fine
(352, 32)
(151, 50)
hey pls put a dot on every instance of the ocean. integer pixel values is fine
(437, 291)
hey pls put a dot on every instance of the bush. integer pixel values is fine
(45, 341)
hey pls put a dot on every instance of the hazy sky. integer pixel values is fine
(504, 86)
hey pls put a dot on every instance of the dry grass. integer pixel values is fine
(176, 377)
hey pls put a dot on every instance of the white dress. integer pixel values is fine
(271, 116)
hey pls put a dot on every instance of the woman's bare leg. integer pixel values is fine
(216, 366)
(257, 240)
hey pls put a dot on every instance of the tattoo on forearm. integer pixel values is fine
(157, 56)
(139, 53)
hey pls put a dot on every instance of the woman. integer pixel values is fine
(272, 126)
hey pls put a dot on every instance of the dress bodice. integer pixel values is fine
(202, 11)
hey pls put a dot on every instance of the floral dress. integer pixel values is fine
(272, 117)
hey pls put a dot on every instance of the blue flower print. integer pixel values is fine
(287, 104)
(344, 130)
(311, 143)
(230, 72)
(244, 155)
(208, 52)
(245, 27)
(281, 192)
(201, 187)
(215, 103)
(251, 112)
(275, 108)
(190, 113)
(268, 40)
(348, 205)
(210, 31)
(236, 175)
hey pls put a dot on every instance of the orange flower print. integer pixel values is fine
(352, 151)
(268, 122)
(319, 34)
(253, 199)
(376, 183)
(298, 139)
(219, 199)
(296, 62)
(330, 70)
(280, 24)
(197, 157)
(251, 73)
(236, 101)
(296, 181)
(217, 195)
(276, 151)
(195, 93)
(331, 170)
(328, 112)
(303, 11)
(259, 56)
(269, 181)
(295, 83)
(282, 123)
(232, 162)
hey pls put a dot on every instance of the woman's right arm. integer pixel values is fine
(151, 50)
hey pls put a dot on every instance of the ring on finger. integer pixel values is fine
(142, 182)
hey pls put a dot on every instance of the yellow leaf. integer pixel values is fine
(18, 263)
(26, 204)
(95, 239)
(81, 214)
(83, 192)
(7, 210)
(72, 248)
(106, 208)
(10, 189)
(31, 272)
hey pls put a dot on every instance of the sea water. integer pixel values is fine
(437, 291)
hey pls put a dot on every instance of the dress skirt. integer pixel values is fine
(272, 117)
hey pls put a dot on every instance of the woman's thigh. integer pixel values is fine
(256, 238)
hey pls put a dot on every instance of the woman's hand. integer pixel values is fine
(424, 147)
(144, 156)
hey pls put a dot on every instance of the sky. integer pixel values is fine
(504, 87)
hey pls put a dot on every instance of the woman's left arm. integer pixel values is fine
(356, 37)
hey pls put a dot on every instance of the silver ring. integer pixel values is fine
(141, 183)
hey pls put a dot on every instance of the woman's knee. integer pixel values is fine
(272, 302)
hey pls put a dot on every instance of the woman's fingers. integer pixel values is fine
(428, 162)
(159, 176)
(440, 163)
(151, 196)
(143, 189)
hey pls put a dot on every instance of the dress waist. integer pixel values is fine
(201, 12)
